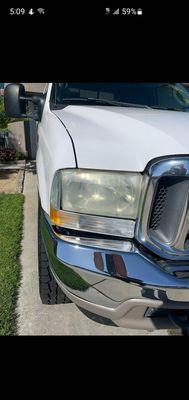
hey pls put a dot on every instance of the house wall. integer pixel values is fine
(17, 136)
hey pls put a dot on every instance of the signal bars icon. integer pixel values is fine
(108, 11)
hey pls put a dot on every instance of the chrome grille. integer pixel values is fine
(164, 222)
(158, 208)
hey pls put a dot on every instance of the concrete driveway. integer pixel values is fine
(35, 318)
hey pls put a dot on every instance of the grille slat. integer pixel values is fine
(167, 208)
(158, 208)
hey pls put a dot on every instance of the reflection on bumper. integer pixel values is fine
(109, 279)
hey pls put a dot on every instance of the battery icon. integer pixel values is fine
(139, 11)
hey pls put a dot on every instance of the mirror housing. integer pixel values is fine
(19, 103)
(14, 100)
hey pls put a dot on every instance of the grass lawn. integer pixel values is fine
(11, 216)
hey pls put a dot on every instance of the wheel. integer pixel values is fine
(49, 291)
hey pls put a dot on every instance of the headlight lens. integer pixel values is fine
(100, 193)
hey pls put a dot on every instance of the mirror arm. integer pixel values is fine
(35, 100)
(26, 98)
(32, 100)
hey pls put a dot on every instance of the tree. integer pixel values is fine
(4, 119)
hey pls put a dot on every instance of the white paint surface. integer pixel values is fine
(107, 138)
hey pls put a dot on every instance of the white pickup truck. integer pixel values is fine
(113, 179)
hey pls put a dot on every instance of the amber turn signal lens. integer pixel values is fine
(58, 217)
(92, 223)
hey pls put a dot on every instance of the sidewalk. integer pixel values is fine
(13, 165)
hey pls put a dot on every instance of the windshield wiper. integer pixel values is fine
(168, 108)
(102, 101)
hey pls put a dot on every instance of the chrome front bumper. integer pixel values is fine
(120, 286)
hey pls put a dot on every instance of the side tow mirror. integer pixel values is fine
(14, 100)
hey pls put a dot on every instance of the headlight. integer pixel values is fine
(110, 194)
(96, 193)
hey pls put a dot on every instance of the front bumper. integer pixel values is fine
(125, 287)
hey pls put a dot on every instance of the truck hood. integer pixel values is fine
(125, 139)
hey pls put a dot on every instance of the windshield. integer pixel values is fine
(171, 96)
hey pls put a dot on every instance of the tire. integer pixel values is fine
(49, 290)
